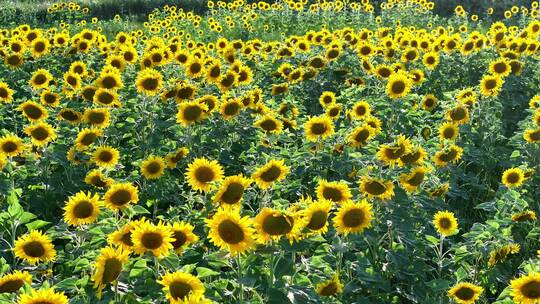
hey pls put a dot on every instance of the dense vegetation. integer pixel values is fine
(281, 152)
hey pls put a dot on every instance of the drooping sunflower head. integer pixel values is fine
(500, 254)
(173, 158)
(12, 282)
(330, 288)
(43, 296)
(190, 112)
(120, 195)
(513, 177)
(105, 156)
(11, 145)
(353, 217)
(232, 190)
(526, 289)
(465, 293)
(33, 111)
(230, 231)
(153, 167)
(182, 287)
(318, 127)
(34, 247)
(532, 135)
(183, 236)
(272, 172)
(524, 216)
(376, 188)
(82, 208)
(108, 266)
(147, 237)
(337, 192)
(202, 173)
(273, 224)
(41, 133)
(446, 223)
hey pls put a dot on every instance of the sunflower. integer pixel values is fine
(33, 110)
(315, 216)
(446, 223)
(3, 161)
(190, 112)
(86, 138)
(98, 117)
(194, 67)
(526, 289)
(72, 80)
(532, 135)
(391, 154)
(524, 216)
(500, 67)
(6, 94)
(97, 179)
(337, 192)
(201, 173)
(360, 136)
(451, 154)
(108, 267)
(41, 133)
(513, 177)
(269, 124)
(327, 98)
(278, 89)
(499, 255)
(34, 247)
(12, 282)
(273, 171)
(46, 97)
(11, 145)
(353, 217)
(153, 167)
(173, 158)
(120, 195)
(230, 108)
(318, 127)
(273, 224)
(465, 293)
(149, 82)
(105, 156)
(414, 179)
(40, 79)
(13, 60)
(47, 296)
(333, 111)
(429, 102)
(122, 236)
(109, 78)
(88, 92)
(331, 287)
(491, 85)
(154, 238)
(230, 231)
(82, 208)
(183, 236)
(360, 110)
(182, 288)
(231, 190)
(376, 188)
(448, 131)
(398, 85)
(106, 97)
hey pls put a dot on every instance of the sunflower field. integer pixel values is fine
(291, 151)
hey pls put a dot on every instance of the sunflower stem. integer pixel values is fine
(156, 267)
(116, 295)
(239, 273)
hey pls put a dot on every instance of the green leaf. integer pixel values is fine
(203, 272)
(36, 224)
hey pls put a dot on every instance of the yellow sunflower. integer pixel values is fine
(201, 173)
(491, 85)
(190, 112)
(97, 179)
(12, 282)
(526, 289)
(173, 158)
(273, 224)
(230, 108)
(86, 137)
(6, 94)
(230, 231)
(156, 239)
(46, 97)
(376, 188)
(70, 115)
(532, 135)
(391, 154)
(500, 67)
(231, 190)
(110, 78)
(272, 172)
(458, 115)
(337, 192)
(360, 110)
(318, 127)
(122, 236)
(106, 97)
(329, 288)
(513, 177)
(269, 124)
(524, 216)
(149, 82)
(108, 267)
(120, 195)
(105, 156)
(360, 135)
(182, 288)
(34, 247)
(153, 167)
(98, 117)
(183, 236)
(316, 216)
(327, 98)
(429, 102)
(40, 79)
(33, 110)
(465, 293)
(48, 296)
(41, 133)
(82, 208)
(11, 145)
(399, 85)
(412, 180)
(448, 131)
(353, 217)
(451, 154)
(446, 223)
